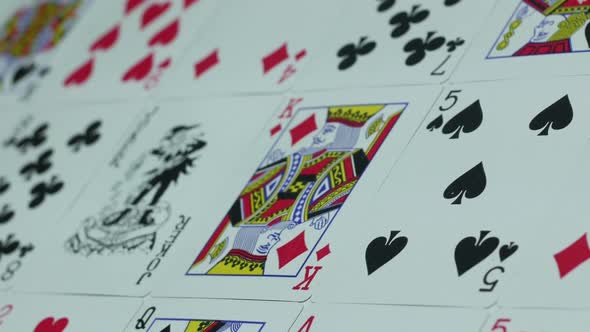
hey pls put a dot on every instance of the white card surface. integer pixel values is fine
(31, 32)
(188, 315)
(269, 241)
(123, 49)
(529, 39)
(54, 313)
(48, 157)
(349, 318)
(268, 51)
(507, 320)
(393, 43)
(127, 222)
(551, 270)
(452, 210)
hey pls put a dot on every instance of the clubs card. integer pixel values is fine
(30, 33)
(128, 220)
(265, 54)
(123, 48)
(47, 159)
(270, 237)
(53, 313)
(485, 164)
(346, 317)
(189, 315)
(506, 320)
(530, 38)
(393, 43)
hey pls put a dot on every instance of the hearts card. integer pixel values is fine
(53, 313)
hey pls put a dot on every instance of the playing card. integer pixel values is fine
(555, 249)
(485, 164)
(265, 54)
(269, 238)
(124, 48)
(53, 313)
(393, 42)
(30, 33)
(47, 159)
(345, 317)
(189, 315)
(173, 161)
(529, 38)
(508, 320)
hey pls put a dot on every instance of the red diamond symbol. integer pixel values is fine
(207, 63)
(274, 130)
(275, 58)
(292, 249)
(325, 251)
(573, 256)
(303, 129)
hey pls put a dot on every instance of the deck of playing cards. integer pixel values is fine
(281, 166)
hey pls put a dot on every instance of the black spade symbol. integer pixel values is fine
(470, 251)
(507, 250)
(468, 120)
(436, 123)
(557, 116)
(471, 184)
(381, 250)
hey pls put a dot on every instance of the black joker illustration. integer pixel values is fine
(132, 224)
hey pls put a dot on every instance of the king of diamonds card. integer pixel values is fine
(271, 235)
(296, 192)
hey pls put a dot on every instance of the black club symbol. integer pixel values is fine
(4, 185)
(385, 5)
(453, 44)
(42, 189)
(418, 47)
(402, 20)
(350, 51)
(6, 214)
(449, 3)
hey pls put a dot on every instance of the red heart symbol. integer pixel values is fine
(131, 5)
(107, 40)
(153, 12)
(49, 324)
(166, 35)
(80, 75)
(188, 3)
(140, 70)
